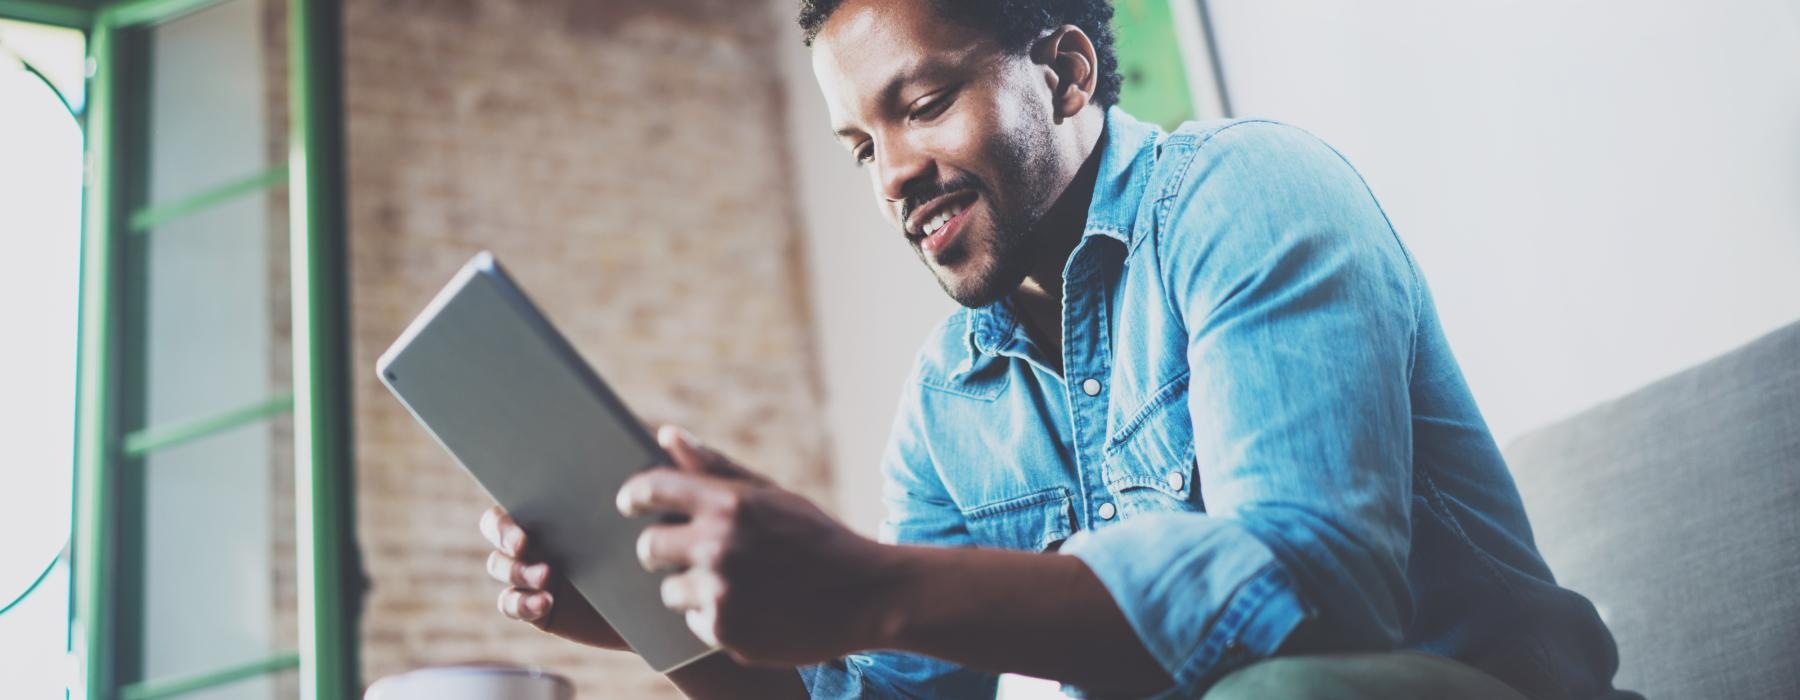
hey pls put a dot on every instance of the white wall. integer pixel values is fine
(1600, 193)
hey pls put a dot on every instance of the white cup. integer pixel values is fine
(473, 682)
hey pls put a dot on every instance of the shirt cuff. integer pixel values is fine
(837, 678)
(1204, 596)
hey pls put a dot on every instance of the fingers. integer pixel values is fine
(692, 590)
(525, 606)
(695, 594)
(525, 599)
(507, 570)
(689, 454)
(686, 450)
(671, 491)
(705, 624)
(502, 532)
(676, 548)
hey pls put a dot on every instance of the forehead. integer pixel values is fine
(870, 49)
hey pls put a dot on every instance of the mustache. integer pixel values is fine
(918, 195)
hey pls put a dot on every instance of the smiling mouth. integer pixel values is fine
(940, 233)
(941, 219)
(937, 222)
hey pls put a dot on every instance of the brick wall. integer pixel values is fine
(625, 160)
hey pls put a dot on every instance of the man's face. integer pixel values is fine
(957, 135)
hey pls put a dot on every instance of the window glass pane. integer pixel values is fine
(218, 556)
(214, 310)
(209, 314)
(211, 291)
(213, 92)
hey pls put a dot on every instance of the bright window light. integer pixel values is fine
(40, 229)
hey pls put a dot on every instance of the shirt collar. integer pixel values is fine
(1118, 189)
(1125, 155)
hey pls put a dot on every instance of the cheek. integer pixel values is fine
(991, 141)
(959, 134)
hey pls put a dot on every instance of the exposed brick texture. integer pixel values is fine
(625, 160)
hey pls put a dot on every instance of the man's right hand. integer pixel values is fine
(534, 593)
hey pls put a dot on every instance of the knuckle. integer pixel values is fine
(730, 506)
(704, 554)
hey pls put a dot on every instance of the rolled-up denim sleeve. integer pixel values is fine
(919, 511)
(1299, 307)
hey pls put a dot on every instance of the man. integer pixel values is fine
(1197, 430)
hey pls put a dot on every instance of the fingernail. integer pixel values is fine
(535, 604)
(623, 502)
(667, 435)
(487, 525)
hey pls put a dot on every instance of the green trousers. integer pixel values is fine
(1401, 675)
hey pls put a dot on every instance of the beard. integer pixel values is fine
(980, 270)
(993, 265)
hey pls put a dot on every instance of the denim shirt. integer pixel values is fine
(1258, 423)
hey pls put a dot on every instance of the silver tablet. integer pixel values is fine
(489, 377)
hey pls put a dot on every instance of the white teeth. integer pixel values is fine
(938, 221)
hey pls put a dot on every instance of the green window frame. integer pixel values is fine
(109, 485)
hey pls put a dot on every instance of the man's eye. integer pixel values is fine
(863, 155)
(933, 108)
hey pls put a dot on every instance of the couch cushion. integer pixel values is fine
(1676, 509)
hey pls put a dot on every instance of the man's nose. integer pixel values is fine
(899, 169)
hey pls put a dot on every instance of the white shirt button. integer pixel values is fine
(1091, 387)
(1107, 511)
(1175, 481)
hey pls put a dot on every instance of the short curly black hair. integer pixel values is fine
(1016, 24)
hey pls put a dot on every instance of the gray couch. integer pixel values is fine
(1676, 509)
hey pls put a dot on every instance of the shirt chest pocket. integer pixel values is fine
(1034, 522)
(1149, 461)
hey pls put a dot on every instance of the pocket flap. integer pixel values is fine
(1156, 452)
(1032, 522)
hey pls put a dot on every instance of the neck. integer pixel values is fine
(1057, 234)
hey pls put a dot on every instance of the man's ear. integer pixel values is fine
(1069, 69)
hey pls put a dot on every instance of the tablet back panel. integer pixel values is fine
(507, 395)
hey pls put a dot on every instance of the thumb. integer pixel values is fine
(693, 456)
